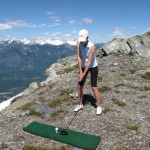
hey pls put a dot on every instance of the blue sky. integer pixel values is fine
(62, 19)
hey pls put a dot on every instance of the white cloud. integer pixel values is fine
(53, 17)
(54, 24)
(42, 25)
(18, 23)
(87, 20)
(74, 32)
(11, 24)
(71, 22)
(68, 35)
(117, 33)
(56, 35)
(5, 26)
(46, 33)
(50, 13)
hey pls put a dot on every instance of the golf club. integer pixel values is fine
(63, 131)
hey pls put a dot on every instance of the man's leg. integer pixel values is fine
(80, 94)
(80, 87)
(80, 98)
(97, 95)
(94, 74)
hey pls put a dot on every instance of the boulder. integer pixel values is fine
(111, 46)
(52, 71)
(139, 45)
(32, 87)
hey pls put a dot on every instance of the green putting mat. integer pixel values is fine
(74, 138)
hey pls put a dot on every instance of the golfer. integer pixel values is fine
(87, 63)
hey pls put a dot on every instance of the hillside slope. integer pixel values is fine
(124, 85)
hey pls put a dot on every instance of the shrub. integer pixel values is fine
(131, 53)
(122, 74)
(117, 91)
(122, 148)
(70, 69)
(132, 71)
(104, 89)
(146, 76)
(58, 102)
(66, 91)
(99, 78)
(63, 148)
(106, 110)
(3, 146)
(146, 88)
(120, 84)
(34, 112)
(13, 101)
(31, 147)
(26, 106)
(55, 103)
(56, 113)
(51, 85)
(133, 127)
(118, 102)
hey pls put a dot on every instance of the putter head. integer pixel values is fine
(63, 132)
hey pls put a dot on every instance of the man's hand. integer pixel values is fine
(80, 77)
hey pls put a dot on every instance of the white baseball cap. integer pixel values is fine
(83, 34)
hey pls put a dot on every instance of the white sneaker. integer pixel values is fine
(79, 107)
(99, 110)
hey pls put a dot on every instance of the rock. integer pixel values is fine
(112, 46)
(139, 44)
(43, 109)
(26, 92)
(74, 95)
(32, 87)
(51, 72)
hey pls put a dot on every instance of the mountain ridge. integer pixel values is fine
(40, 41)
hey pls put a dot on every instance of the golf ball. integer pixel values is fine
(56, 129)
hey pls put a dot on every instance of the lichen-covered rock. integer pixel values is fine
(139, 44)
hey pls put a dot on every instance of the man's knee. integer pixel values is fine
(94, 89)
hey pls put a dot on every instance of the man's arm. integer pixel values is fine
(79, 57)
(91, 55)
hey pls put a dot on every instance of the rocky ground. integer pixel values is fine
(124, 85)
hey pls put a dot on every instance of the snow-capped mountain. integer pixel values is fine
(40, 41)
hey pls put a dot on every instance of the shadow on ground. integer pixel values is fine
(89, 99)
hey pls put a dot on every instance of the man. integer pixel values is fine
(87, 63)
